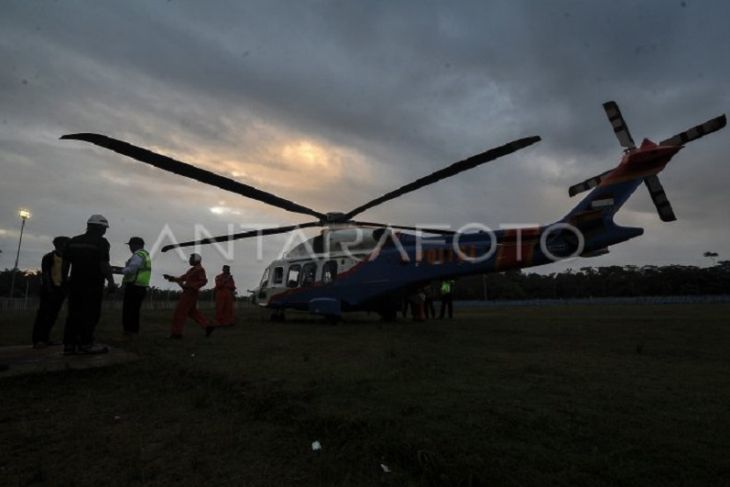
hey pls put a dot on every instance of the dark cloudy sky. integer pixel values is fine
(331, 103)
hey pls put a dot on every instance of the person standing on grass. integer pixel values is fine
(428, 307)
(85, 267)
(191, 282)
(225, 290)
(137, 272)
(53, 293)
(447, 297)
(416, 300)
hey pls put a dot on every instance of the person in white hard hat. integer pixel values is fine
(85, 267)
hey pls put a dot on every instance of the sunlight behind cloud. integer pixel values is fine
(274, 159)
(224, 210)
(311, 155)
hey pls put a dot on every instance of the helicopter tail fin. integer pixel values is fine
(594, 215)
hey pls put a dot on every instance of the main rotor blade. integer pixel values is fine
(696, 132)
(238, 236)
(619, 125)
(659, 197)
(438, 231)
(587, 184)
(192, 172)
(449, 171)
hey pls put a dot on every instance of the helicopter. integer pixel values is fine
(355, 265)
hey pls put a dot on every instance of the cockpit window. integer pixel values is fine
(292, 277)
(265, 278)
(278, 275)
(309, 274)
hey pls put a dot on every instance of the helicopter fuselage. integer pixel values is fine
(377, 278)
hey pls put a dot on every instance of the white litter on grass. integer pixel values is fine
(117, 418)
(316, 446)
(192, 355)
(385, 468)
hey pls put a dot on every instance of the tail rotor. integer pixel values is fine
(651, 180)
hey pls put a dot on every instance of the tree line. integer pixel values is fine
(610, 281)
(29, 283)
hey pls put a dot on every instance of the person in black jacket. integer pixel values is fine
(87, 258)
(53, 293)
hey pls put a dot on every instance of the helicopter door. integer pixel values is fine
(329, 271)
(309, 274)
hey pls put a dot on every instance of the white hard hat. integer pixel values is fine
(98, 220)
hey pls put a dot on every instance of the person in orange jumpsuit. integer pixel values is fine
(187, 307)
(225, 289)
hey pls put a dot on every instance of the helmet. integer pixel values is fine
(196, 258)
(98, 220)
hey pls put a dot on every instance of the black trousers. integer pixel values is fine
(430, 309)
(84, 311)
(51, 301)
(133, 297)
(447, 301)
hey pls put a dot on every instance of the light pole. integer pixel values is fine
(24, 214)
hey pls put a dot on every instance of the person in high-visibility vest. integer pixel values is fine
(137, 273)
(447, 297)
(225, 289)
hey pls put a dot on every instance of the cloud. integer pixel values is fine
(332, 104)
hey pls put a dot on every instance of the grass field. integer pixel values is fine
(601, 395)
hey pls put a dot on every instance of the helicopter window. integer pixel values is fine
(265, 278)
(329, 271)
(292, 277)
(278, 275)
(309, 273)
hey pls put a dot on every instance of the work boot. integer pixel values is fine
(40, 345)
(92, 349)
(69, 350)
(209, 330)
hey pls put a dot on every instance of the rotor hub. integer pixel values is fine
(335, 217)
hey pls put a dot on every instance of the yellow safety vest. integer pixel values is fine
(144, 273)
(446, 287)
